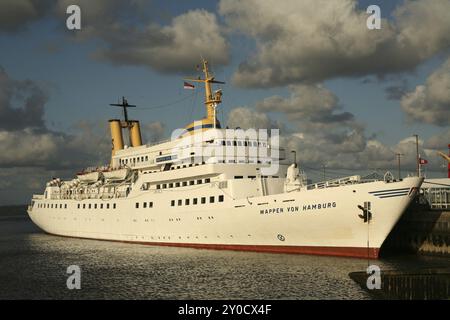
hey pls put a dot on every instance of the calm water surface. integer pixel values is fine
(33, 266)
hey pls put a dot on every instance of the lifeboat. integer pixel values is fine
(89, 177)
(116, 174)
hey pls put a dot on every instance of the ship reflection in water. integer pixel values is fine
(33, 265)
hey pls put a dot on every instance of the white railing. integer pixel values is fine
(437, 198)
(84, 196)
(336, 182)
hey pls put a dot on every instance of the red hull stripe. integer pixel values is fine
(323, 251)
(354, 252)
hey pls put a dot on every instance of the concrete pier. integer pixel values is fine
(409, 285)
(421, 230)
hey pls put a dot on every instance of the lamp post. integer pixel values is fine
(417, 156)
(399, 166)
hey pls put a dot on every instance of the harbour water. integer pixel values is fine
(33, 265)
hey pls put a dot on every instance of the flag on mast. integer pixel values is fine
(188, 86)
(423, 161)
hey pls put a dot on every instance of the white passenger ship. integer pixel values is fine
(175, 194)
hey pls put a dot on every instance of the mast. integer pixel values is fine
(211, 99)
(124, 105)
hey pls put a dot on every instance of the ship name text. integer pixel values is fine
(294, 209)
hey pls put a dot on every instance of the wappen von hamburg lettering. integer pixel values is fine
(294, 209)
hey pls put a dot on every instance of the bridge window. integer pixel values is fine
(186, 202)
(180, 202)
(114, 205)
(107, 206)
(221, 198)
(208, 180)
(194, 201)
(172, 203)
(211, 199)
(203, 200)
(144, 205)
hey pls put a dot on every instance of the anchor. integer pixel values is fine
(366, 215)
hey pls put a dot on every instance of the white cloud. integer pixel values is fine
(16, 14)
(173, 47)
(153, 131)
(313, 40)
(245, 118)
(430, 103)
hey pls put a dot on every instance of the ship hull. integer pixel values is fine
(322, 222)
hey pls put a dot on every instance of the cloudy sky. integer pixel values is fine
(344, 96)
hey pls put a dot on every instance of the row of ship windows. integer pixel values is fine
(242, 143)
(79, 206)
(182, 183)
(144, 205)
(192, 182)
(236, 143)
(195, 201)
(178, 167)
(95, 206)
(219, 161)
(134, 160)
(51, 206)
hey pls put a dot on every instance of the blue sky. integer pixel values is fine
(79, 87)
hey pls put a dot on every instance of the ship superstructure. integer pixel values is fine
(209, 187)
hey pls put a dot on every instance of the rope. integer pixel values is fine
(167, 104)
(194, 102)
